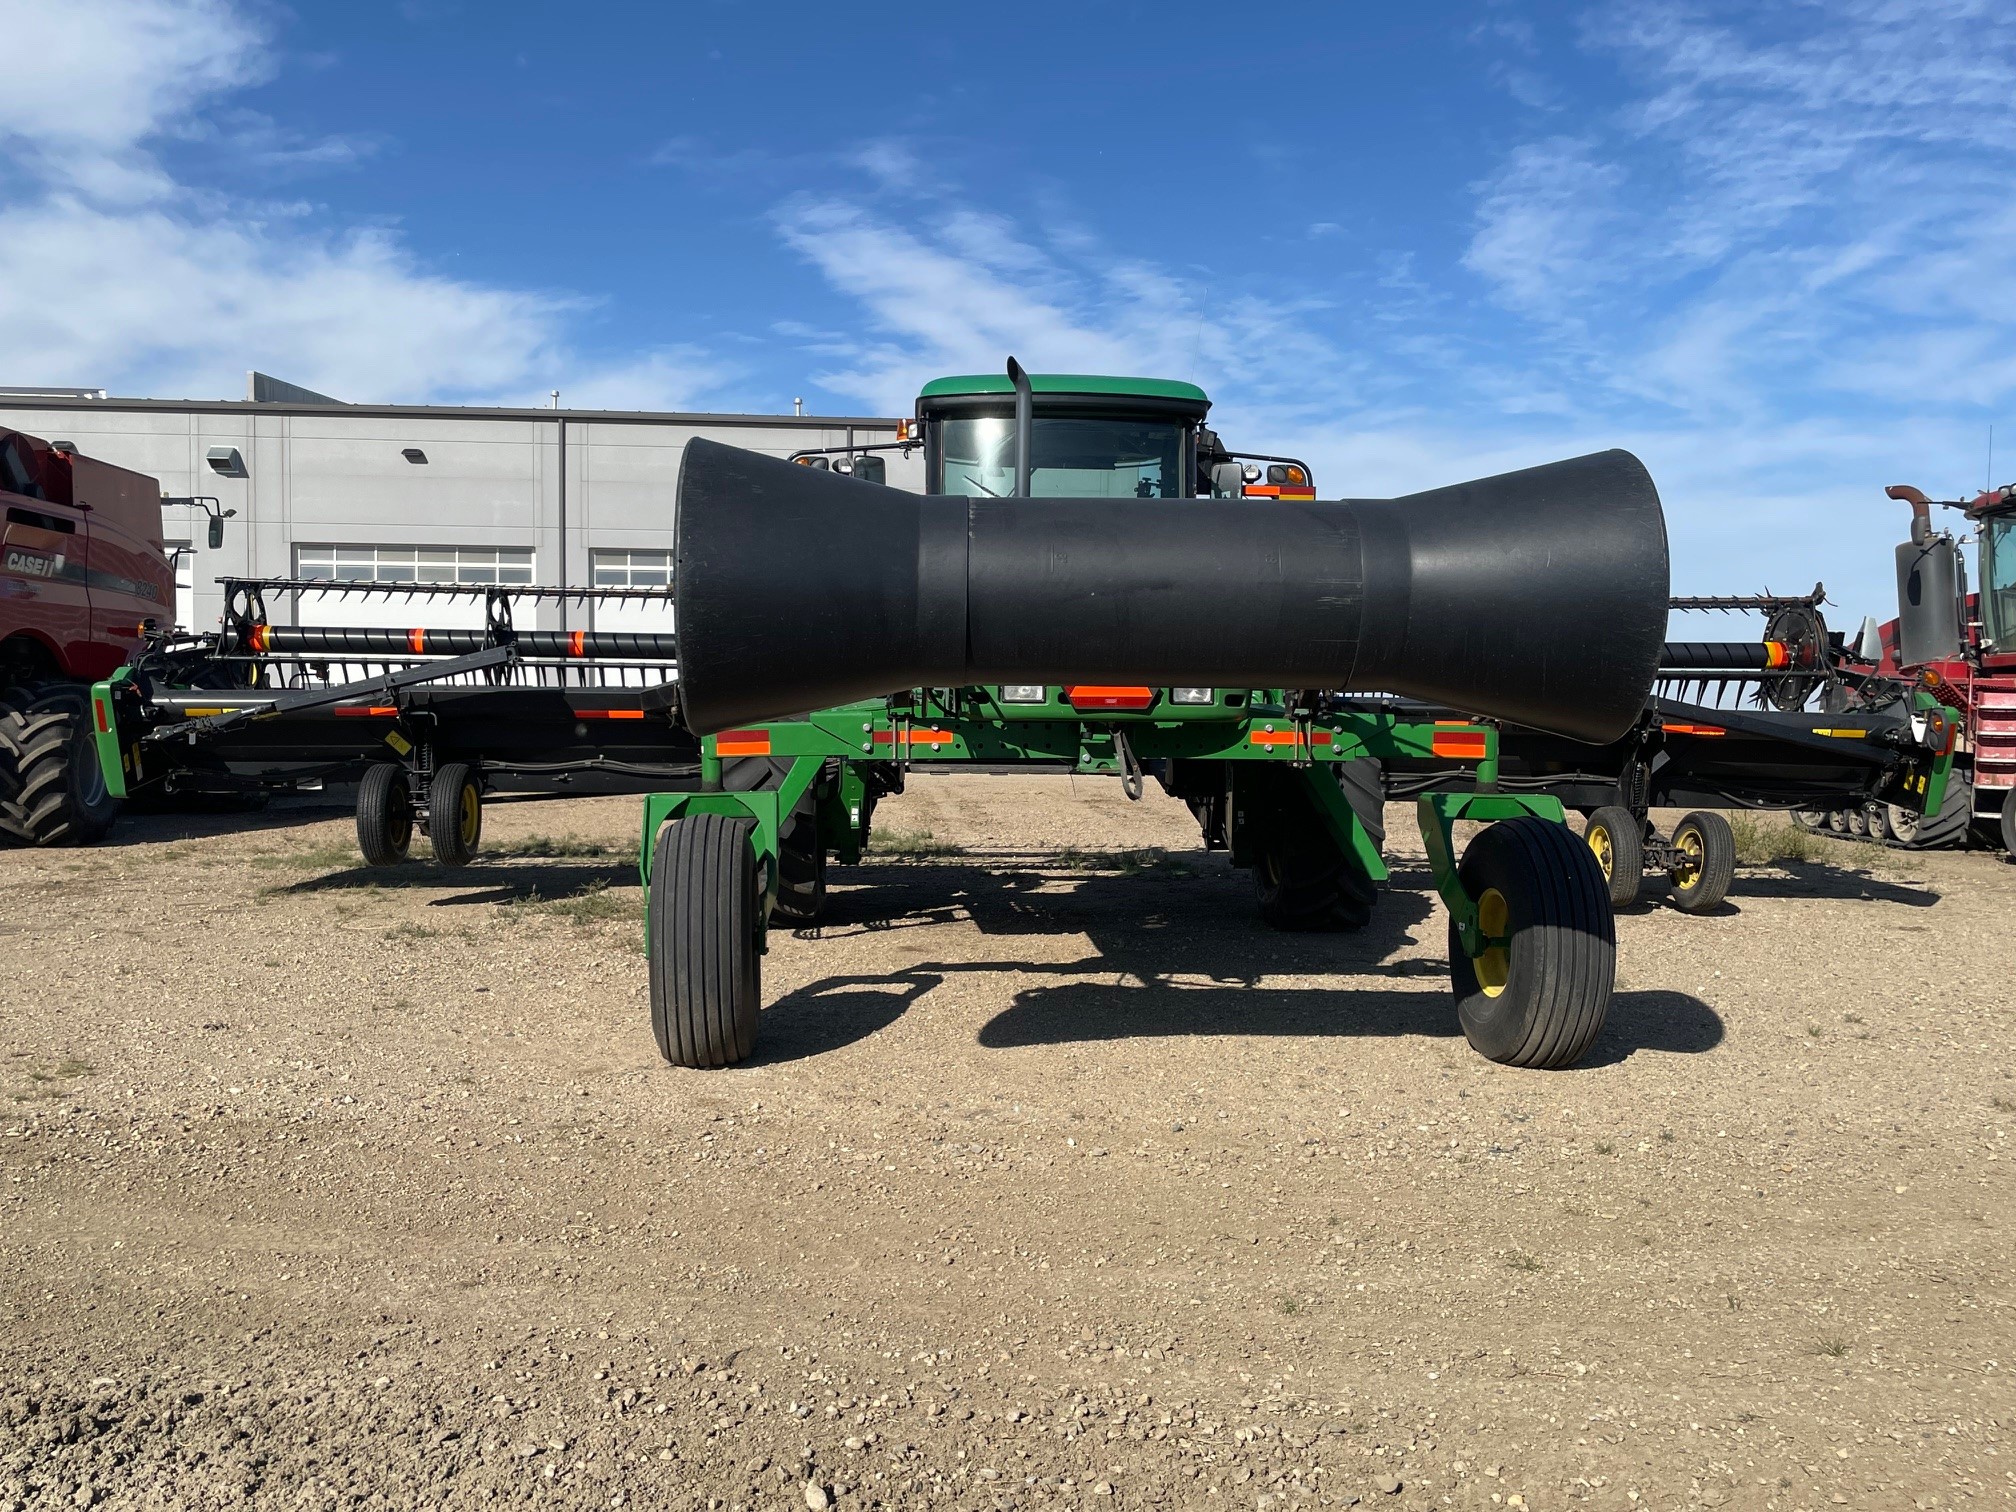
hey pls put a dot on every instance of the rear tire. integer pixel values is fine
(801, 857)
(1701, 881)
(1539, 998)
(702, 919)
(454, 813)
(2008, 825)
(1303, 878)
(1616, 837)
(384, 815)
(54, 792)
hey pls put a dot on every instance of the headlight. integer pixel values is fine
(1190, 695)
(1023, 693)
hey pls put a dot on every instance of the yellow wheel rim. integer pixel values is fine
(1494, 966)
(471, 809)
(1599, 842)
(1687, 870)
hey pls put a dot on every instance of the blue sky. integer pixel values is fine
(1771, 248)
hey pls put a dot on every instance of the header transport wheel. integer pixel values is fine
(1537, 993)
(1707, 862)
(454, 813)
(384, 815)
(1616, 837)
(702, 919)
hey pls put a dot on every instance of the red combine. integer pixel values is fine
(1960, 645)
(83, 577)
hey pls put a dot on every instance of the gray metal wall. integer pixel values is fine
(321, 475)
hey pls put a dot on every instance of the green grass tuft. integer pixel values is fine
(899, 842)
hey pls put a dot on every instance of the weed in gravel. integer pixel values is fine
(1851, 1018)
(46, 1081)
(1667, 1136)
(2002, 1104)
(898, 842)
(548, 846)
(593, 904)
(1519, 1260)
(1289, 1305)
(318, 858)
(411, 931)
(1814, 1030)
(1833, 1346)
(1605, 1147)
(1759, 843)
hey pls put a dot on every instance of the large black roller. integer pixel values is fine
(1537, 597)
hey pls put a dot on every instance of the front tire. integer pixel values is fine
(1616, 837)
(57, 790)
(1302, 878)
(2008, 824)
(1950, 826)
(1707, 866)
(702, 919)
(384, 815)
(454, 813)
(1538, 995)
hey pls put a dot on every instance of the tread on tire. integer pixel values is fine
(384, 815)
(454, 813)
(1539, 1000)
(706, 970)
(54, 792)
(1616, 837)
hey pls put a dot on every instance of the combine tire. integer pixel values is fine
(384, 815)
(2009, 823)
(1915, 831)
(454, 813)
(801, 859)
(1537, 998)
(702, 918)
(1616, 837)
(1304, 880)
(1707, 862)
(53, 792)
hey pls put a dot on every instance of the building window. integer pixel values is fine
(414, 564)
(633, 569)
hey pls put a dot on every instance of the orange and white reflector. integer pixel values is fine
(1085, 696)
(1460, 744)
(1692, 729)
(914, 736)
(742, 743)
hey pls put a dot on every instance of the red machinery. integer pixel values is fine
(1961, 646)
(83, 576)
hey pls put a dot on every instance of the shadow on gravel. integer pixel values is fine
(1676, 1022)
(1808, 880)
(514, 883)
(140, 827)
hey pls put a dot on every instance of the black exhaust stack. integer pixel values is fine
(1537, 597)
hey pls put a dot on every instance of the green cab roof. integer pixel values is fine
(1067, 383)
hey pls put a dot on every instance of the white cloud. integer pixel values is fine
(115, 273)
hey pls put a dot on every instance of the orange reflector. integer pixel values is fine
(576, 641)
(1277, 491)
(1462, 745)
(1692, 729)
(1085, 697)
(373, 711)
(262, 637)
(742, 743)
(916, 737)
(1777, 654)
(416, 641)
(98, 708)
(608, 713)
(1273, 738)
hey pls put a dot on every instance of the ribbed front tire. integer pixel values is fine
(54, 793)
(1539, 996)
(706, 971)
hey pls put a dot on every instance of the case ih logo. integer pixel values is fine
(28, 564)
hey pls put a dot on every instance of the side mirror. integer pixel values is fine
(216, 532)
(871, 469)
(1228, 479)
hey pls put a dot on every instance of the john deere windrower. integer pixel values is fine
(1089, 579)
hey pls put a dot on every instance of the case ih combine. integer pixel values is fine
(1091, 582)
(83, 581)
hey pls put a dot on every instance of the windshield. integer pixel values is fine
(1998, 582)
(1070, 458)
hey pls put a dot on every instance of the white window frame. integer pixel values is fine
(507, 566)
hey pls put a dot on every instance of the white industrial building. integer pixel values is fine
(427, 493)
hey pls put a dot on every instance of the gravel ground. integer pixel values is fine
(1057, 1181)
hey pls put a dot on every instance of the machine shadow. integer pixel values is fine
(517, 883)
(1809, 879)
(164, 826)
